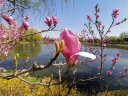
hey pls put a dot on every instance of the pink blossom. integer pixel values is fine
(104, 44)
(125, 69)
(90, 27)
(103, 27)
(114, 60)
(120, 73)
(88, 17)
(113, 67)
(25, 24)
(72, 47)
(109, 30)
(97, 16)
(117, 22)
(99, 56)
(115, 10)
(109, 72)
(5, 53)
(115, 13)
(48, 21)
(99, 22)
(98, 68)
(1, 3)
(98, 10)
(105, 59)
(55, 20)
(26, 17)
(96, 6)
(118, 54)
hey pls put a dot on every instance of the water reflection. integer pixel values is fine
(25, 50)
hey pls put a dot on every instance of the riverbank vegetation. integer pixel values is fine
(31, 38)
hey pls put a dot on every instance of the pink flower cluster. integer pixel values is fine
(1, 3)
(114, 60)
(125, 69)
(109, 72)
(49, 21)
(115, 13)
(12, 33)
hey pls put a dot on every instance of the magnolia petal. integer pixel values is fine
(85, 54)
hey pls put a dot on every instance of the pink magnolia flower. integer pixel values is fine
(109, 72)
(72, 47)
(125, 69)
(48, 21)
(55, 20)
(9, 19)
(25, 24)
(118, 54)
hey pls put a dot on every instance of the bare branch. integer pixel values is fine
(38, 83)
(8, 10)
(40, 67)
(31, 34)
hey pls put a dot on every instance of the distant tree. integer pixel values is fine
(36, 37)
(123, 35)
(113, 39)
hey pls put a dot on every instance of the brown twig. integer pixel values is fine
(8, 10)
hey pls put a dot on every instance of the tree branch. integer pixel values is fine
(31, 34)
(40, 67)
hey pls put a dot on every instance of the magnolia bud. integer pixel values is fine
(35, 65)
(17, 56)
(57, 47)
(76, 62)
(62, 45)
(51, 76)
(15, 61)
(125, 19)
(27, 59)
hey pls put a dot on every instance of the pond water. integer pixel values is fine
(41, 53)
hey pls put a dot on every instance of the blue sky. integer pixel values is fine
(73, 15)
